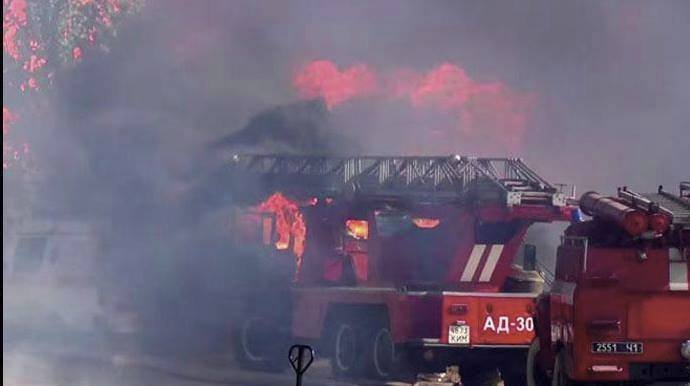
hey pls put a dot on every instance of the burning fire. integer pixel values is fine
(289, 223)
(426, 223)
(322, 78)
(480, 108)
(359, 229)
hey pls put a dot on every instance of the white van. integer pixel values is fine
(51, 273)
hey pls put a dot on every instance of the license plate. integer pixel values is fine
(459, 335)
(617, 348)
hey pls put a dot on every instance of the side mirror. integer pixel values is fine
(529, 260)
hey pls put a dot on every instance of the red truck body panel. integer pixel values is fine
(470, 267)
(612, 295)
(495, 319)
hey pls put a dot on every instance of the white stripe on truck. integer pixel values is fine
(491, 261)
(677, 271)
(473, 262)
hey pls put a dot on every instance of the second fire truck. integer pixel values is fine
(619, 308)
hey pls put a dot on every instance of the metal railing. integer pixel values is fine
(447, 177)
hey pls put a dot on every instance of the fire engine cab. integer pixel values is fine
(619, 308)
(392, 258)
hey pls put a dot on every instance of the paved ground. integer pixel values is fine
(36, 365)
(51, 366)
(33, 370)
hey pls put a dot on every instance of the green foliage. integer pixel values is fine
(40, 38)
(51, 34)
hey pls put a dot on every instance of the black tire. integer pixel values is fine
(345, 349)
(560, 376)
(481, 376)
(257, 347)
(380, 357)
(514, 374)
(535, 375)
(514, 369)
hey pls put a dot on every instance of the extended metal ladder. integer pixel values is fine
(444, 178)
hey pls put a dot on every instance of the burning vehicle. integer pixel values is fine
(619, 308)
(381, 262)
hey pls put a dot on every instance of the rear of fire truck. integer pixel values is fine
(619, 309)
(397, 261)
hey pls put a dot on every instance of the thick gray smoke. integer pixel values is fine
(297, 128)
(139, 134)
(609, 77)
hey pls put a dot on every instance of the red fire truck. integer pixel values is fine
(619, 308)
(392, 259)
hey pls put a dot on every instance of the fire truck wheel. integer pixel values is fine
(257, 348)
(481, 376)
(535, 375)
(380, 355)
(513, 370)
(560, 376)
(344, 350)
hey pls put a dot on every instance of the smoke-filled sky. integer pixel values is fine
(606, 82)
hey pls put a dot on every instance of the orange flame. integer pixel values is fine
(481, 109)
(358, 229)
(426, 223)
(289, 222)
(322, 78)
